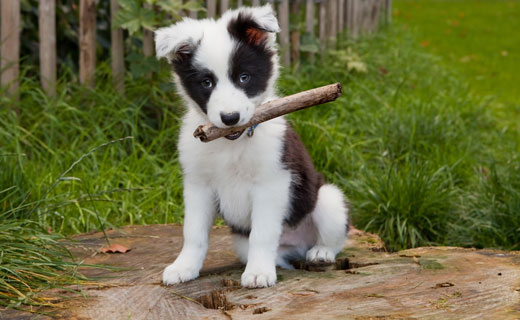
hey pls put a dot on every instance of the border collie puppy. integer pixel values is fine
(264, 185)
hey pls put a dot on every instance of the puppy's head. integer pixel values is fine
(223, 68)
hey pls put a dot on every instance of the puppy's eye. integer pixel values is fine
(244, 78)
(207, 83)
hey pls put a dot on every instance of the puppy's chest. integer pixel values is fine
(233, 180)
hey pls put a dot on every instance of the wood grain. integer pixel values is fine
(47, 32)
(421, 283)
(272, 109)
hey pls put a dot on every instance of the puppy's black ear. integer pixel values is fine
(254, 26)
(178, 42)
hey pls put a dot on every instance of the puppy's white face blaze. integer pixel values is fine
(224, 68)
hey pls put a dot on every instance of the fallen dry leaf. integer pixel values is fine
(115, 248)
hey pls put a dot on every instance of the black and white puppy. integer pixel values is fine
(264, 186)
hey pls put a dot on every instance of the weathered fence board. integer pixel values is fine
(355, 9)
(47, 32)
(211, 8)
(87, 42)
(332, 16)
(295, 35)
(388, 11)
(283, 18)
(309, 21)
(224, 6)
(322, 27)
(341, 15)
(10, 44)
(148, 42)
(117, 51)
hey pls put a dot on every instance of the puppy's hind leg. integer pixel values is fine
(241, 246)
(331, 220)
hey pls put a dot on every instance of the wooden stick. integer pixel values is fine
(273, 109)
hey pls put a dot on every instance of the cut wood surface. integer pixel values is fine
(273, 109)
(365, 283)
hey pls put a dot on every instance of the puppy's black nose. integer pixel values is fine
(230, 119)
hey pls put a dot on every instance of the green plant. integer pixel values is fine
(31, 261)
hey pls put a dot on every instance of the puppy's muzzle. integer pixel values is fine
(230, 119)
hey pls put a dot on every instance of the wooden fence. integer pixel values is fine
(324, 19)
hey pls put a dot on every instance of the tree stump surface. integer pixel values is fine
(365, 283)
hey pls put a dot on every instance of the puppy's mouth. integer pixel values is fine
(235, 135)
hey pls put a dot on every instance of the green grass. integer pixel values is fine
(422, 159)
(478, 38)
(31, 260)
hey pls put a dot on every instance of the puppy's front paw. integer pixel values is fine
(173, 274)
(260, 279)
(321, 254)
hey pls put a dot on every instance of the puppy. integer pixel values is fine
(264, 185)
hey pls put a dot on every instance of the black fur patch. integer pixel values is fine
(306, 180)
(191, 78)
(251, 55)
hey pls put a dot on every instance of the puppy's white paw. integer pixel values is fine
(260, 279)
(173, 274)
(321, 254)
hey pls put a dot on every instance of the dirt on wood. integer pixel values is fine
(366, 282)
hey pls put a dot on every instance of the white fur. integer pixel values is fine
(245, 177)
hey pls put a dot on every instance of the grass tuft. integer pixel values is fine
(31, 261)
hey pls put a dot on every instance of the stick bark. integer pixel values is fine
(273, 109)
